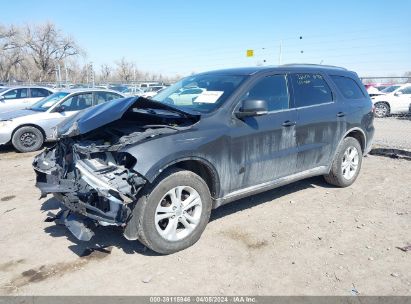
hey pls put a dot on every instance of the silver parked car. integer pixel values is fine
(133, 91)
(16, 98)
(29, 128)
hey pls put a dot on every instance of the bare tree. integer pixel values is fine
(47, 46)
(11, 52)
(105, 72)
(125, 70)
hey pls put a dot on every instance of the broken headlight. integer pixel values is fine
(126, 160)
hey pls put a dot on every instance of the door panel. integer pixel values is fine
(14, 100)
(264, 148)
(319, 130)
(403, 102)
(320, 120)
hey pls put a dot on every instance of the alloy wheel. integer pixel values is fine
(349, 165)
(178, 213)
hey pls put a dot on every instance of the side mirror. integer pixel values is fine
(398, 93)
(252, 107)
(59, 109)
(2, 98)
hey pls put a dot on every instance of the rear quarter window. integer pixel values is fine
(348, 87)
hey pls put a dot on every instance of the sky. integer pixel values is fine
(172, 37)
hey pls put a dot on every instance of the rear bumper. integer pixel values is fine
(369, 140)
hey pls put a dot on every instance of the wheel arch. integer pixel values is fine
(29, 125)
(384, 101)
(359, 135)
(199, 166)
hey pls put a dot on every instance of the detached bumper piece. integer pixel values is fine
(78, 225)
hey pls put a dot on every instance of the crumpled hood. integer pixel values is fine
(16, 113)
(105, 113)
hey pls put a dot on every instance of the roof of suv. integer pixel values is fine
(288, 67)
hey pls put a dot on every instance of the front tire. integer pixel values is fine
(173, 213)
(346, 164)
(382, 109)
(27, 139)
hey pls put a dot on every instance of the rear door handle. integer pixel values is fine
(289, 123)
(340, 114)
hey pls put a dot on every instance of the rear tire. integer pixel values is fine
(346, 164)
(382, 109)
(27, 139)
(164, 224)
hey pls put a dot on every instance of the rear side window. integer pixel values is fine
(39, 92)
(310, 89)
(102, 97)
(348, 87)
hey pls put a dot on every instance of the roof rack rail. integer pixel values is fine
(313, 65)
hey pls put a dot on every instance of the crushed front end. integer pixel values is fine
(95, 183)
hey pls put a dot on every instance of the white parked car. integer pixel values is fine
(16, 98)
(133, 91)
(152, 91)
(186, 96)
(29, 128)
(396, 102)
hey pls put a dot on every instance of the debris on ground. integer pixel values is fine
(405, 248)
(147, 279)
(97, 251)
(354, 290)
(9, 210)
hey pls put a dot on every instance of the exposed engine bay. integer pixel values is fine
(91, 175)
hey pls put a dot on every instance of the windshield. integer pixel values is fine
(390, 89)
(3, 89)
(120, 89)
(46, 103)
(201, 93)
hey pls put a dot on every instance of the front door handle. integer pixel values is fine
(340, 114)
(289, 123)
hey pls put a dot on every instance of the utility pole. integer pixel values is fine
(59, 74)
(91, 71)
(280, 55)
(65, 70)
(134, 77)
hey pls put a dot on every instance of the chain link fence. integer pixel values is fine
(393, 132)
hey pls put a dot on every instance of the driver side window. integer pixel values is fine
(78, 102)
(272, 89)
(16, 94)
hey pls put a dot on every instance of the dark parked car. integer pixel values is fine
(158, 167)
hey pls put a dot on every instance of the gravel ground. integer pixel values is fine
(393, 132)
(306, 238)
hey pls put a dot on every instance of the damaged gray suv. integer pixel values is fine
(158, 167)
